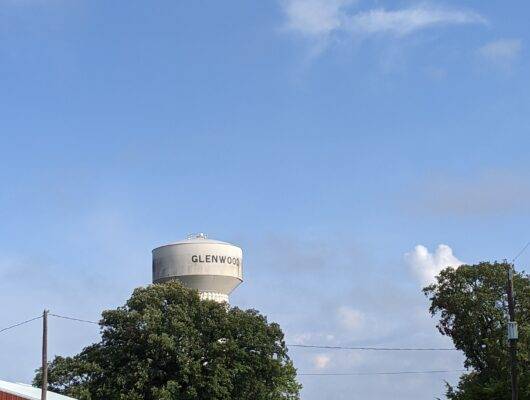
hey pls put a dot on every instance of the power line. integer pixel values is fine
(74, 319)
(521, 252)
(381, 373)
(307, 346)
(19, 324)
(304, 345)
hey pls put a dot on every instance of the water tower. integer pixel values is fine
(212, 267)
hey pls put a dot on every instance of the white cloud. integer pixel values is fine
(502, 53)
(321, 361)
(426, 265)
(363, 326)
(302, 338)
(406, 21)
(309, 338)
(367, 306)
(314, 17)
(321, 18)
(350, 318)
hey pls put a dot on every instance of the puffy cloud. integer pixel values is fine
(350, 318)
(364, 325)
(426, 265)
(301, 338)
(331, 293)
(321, 361)
(309, 338)
(501, 53)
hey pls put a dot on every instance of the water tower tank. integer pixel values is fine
(212, 267)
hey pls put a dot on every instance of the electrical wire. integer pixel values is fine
(323, 374)
(307, 346)
(304, 346)
(521, 252)
(381, 373)
(74, 319)
(19, 324)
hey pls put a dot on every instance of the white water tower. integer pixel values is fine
(212, 267)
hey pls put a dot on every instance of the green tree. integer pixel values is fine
(165, 343)
(472, 306)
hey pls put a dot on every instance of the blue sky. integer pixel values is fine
(329, 138)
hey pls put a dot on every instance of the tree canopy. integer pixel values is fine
(166, 343)
(472, 306)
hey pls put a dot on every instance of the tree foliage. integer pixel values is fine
(472, 306)
(165, 343)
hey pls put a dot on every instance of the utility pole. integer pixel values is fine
(44, 389)
(512, 333)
